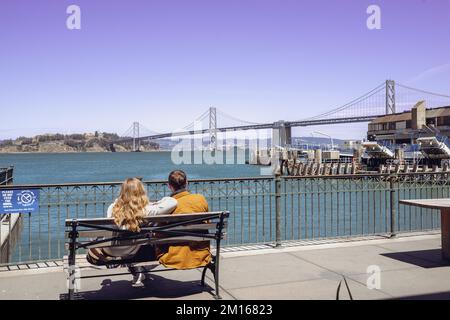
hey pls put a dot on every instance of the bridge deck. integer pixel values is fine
(301, 123)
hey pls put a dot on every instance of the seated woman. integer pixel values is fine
(128, 211)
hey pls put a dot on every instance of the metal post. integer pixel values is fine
(392, 204)
(277, 210)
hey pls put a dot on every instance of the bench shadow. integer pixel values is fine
(422, 258)
(155, 287)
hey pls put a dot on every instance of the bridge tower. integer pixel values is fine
(212, 128)
(136, 140)
(390, 96)
(281, 138)
(281, 134)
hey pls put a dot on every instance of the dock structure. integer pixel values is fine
(432, 148)
(299, 162)
(9, 235)
(6, 175)
(9, 223)
(317, 163)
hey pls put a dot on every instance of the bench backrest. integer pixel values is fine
(103, 232)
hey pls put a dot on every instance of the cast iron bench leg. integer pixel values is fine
(209, 266)
(71, 262)
(214, 270)
(216, 267)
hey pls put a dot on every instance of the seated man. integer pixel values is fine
(190, 254)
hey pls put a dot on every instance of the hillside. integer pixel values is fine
(87, 142)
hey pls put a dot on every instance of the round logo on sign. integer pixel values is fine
(26, 198)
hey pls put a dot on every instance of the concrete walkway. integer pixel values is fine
(411, 267)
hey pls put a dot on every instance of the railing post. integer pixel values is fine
(277, 210)
(9, 175)
(392, 204)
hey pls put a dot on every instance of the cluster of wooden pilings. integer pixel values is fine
(292, 168)
(406, 168)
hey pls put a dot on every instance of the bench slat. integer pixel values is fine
(125, 243)
(168, 218)
(104, 233)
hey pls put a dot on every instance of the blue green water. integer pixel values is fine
(43, 168)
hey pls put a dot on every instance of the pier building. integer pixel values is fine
(406, 127)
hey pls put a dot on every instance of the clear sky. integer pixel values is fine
(163, 63)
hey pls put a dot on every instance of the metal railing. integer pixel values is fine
(263, 209)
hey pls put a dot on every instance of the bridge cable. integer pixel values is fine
(423, 91)
(369, 94)
(236, 119)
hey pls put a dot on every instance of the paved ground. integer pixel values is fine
(411, 267)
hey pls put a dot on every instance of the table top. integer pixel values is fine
(429, 203)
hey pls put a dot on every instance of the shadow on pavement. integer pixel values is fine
(422, 258)
(154, 287)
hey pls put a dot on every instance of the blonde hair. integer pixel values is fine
(129, 209)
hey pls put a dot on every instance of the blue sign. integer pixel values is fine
(19, 201)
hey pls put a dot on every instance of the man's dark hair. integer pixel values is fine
(177, 179)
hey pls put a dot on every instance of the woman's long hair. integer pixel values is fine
(129, 209)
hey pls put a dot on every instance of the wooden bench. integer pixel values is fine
(155, 230)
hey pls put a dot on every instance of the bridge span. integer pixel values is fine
(387, 98)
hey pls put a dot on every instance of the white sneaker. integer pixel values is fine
(137, 280)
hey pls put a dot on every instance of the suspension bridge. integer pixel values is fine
(387, 98)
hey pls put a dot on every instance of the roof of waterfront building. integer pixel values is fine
(406, 115)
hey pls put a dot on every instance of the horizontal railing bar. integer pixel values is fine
(363, 175)
(119, 183)
(212, 180)
(193, 181)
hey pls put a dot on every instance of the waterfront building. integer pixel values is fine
(406, 127)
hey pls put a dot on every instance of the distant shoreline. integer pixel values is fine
(72, 143)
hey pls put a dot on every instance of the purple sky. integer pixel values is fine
(163, 63)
